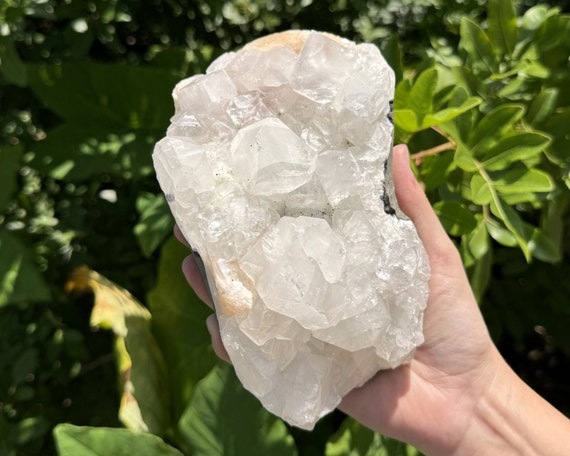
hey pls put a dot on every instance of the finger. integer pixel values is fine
(214, 330)
(414, 203)
(196, 281)
(178, 234)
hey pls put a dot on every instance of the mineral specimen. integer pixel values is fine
(276, 169)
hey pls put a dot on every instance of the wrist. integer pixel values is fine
(511, 419)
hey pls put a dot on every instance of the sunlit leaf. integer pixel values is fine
(514, 147)
(480, 190)
(454, 217)
(155, 222)
(178, 322)
(142, 374)
(477, 44)
(512, 221)
(73, 440)
(20, 280)
(223, 419)
(354, 439)
(542, 106)
(494, 124)
(524, 180)
(502, 28)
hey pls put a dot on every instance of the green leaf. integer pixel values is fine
(478, 240)
(353, 439)
(178, 323)
(20, 280)
(392, 52)
(105, 94)
(456, 219)
(155, 222)
(76, 152)
(480, 190)
(447, 114)
(435, 168)
(514, 147)
(500, 234)
(142, 373)
(524, 180)
(480, 275)
(502, 28)
(513, 222)
(11, 66)
(223, 419)
(492, 127)
(10, 159)
(73, 440)
(406, 120)
(464, 159)
(557, 126)
(542, 106)
(543, 248)
(477, 44)
(422, 94)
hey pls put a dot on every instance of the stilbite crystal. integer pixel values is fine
(275, 167)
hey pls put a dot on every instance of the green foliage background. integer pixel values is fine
(483, 101)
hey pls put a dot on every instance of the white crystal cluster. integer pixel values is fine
(274, 168)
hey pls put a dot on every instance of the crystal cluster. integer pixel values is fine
(276, 169)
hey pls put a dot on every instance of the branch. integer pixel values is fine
(418, 157)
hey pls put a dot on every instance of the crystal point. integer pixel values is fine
(275, 168)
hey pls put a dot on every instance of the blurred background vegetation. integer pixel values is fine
(84, 94)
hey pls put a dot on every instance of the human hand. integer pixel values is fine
(455, 396)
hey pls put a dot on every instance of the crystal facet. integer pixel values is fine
(276, 168)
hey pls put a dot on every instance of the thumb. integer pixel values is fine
(414, 203)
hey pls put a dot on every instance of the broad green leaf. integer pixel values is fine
(155, 223)
(20, 280)
(392, 52)
(524, 180)
(178, 323)
(477, 44)
(223, 419)
(106, 94)
(480, 190)
(557, 127)
(422, 94)
(543, 248)
(478, 240)
(11, 66)
(493, 125)
(502, 28)
(10, 164)
(500, 234)
(142, 373)
(76, 152)
(514, 147)
(464, 158)
(435, 168)
(406, 120)
(447, 114)
(465, 78)
(73, 440)
(542, 106)
(480, 275)
(512, 221)
(402, 94)
(354, 439)
(456, 219)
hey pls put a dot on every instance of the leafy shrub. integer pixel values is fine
(482, 101)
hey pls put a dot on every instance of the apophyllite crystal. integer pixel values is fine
(276, 169)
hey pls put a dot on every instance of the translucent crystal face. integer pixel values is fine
(275, 168)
